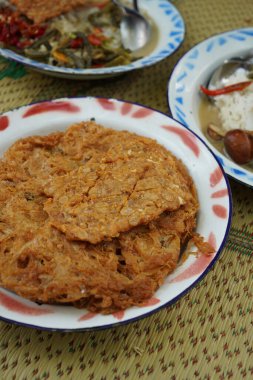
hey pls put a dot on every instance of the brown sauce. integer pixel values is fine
(208, 114)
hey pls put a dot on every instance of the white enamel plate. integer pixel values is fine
(213, 191)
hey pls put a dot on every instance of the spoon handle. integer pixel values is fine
(135, 5)
(124, 8)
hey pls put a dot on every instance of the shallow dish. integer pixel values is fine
(213, 191)
(171, 31)
(194, 69)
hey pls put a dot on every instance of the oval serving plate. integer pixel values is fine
(171, 31)
(194, 69)
(214, 218)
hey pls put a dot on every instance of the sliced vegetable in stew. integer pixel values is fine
(88, 38)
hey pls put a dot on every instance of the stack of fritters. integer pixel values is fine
(92, 217)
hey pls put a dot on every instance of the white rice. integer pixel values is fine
(236, 108)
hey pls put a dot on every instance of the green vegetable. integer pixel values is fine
(118, 61)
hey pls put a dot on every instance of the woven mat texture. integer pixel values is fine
(207, 334)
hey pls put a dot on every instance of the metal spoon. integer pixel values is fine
(135, 29)
(219, 77)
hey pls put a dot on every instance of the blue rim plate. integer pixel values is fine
(194, 69)
(214, 217)
(171, 32)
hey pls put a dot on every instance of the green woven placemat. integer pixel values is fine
(207, 334)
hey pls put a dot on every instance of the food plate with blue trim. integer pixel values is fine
(193, 70)
(170, 34)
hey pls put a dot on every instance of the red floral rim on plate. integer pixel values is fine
(211, 183)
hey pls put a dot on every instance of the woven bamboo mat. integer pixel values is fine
(207, 334)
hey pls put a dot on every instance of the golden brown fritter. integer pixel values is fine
(116, 170)
(98, 201)
(40, 156)
(123, 179)
(9, 178)
(184, 220)
(88, 140)
(42, 265)
(42, 10)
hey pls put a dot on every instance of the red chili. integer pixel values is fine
(15, 31)
(96, 30)
(102, 5)
(23, 44)
(36, 31)
(97, 65)
(94, 40)
(76, 43)
(227, 89)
